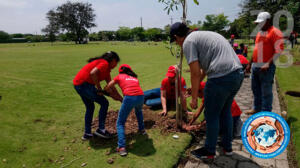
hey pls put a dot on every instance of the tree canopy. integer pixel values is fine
(243, 25)
(4, 36)
(73, 17)
(216, 23)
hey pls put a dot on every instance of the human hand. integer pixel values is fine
(194, 103)
(265, 67)
(163, 113)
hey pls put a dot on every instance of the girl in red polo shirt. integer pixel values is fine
(133, 98)
(97, 70)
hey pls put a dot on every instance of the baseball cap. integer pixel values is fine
(171, 71)
(179, 29)
(235, 45)
(124, 65)
(262, 16)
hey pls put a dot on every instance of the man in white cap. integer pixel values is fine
(268, 46)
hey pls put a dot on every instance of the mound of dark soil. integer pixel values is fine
(152, 119)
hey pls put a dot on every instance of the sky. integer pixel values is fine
(29, 16)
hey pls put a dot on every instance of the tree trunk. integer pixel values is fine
(179, 112)
(184, 11)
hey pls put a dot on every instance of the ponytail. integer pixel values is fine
(108, 56)
(128, 71)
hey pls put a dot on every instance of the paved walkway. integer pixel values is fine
(241, 157)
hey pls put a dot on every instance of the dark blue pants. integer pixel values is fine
(152, 97)
(88, 94)
(218, 96)
(262, 84)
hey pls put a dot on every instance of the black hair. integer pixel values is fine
(242, 45)
(108, 56)
(128, 71)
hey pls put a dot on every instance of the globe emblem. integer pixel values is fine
(265, 135)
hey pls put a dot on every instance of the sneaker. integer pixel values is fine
(122, 151)
(225, 151)
(86, 137)
(104, 134)
(202, 153)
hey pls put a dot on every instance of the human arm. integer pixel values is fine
(197, 114)
(197, 75)
(112, 90)
(248, 68)
(163, 95)
(94, 74)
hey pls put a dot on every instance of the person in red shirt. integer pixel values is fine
(244, 49)
(87, 84)
(268, 47)
(235, 112)
(165, 96)
(133, 98)
(231, 41)
(243, 61)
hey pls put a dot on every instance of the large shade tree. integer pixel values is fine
(4, 37)
(52, 29)
(216, 23)
(73, 17)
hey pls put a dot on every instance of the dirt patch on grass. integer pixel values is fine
(297, 63)
(293, 93)
(167, 124)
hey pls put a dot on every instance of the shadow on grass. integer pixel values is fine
(136, 144)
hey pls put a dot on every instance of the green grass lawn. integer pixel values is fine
(289, 80)
(42, 117)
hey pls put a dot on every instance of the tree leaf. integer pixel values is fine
(196, 2)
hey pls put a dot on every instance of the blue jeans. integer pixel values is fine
(88, 94)
(152, 97)
(129, 102)
(261, 84)
(218, 96)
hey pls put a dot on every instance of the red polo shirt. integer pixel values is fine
(84, 74)
(129, 85)
(267, 44)
(243, 59)
(170, 88)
